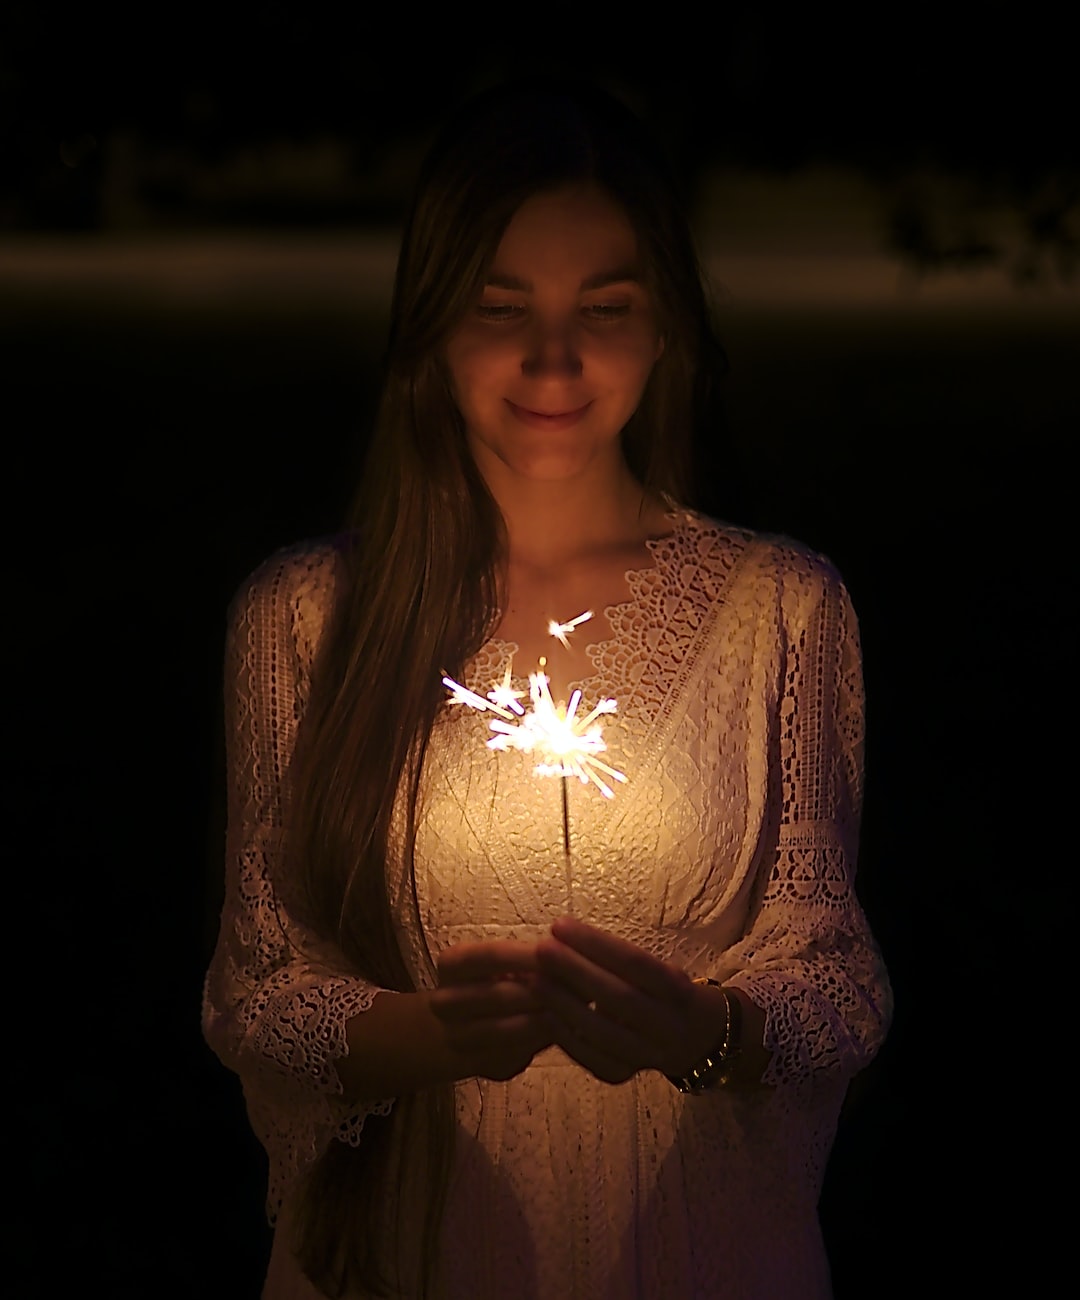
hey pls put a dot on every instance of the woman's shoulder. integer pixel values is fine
(781, 558)
(315, 560)
(295, 585)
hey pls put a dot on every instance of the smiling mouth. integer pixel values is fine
(547, 419)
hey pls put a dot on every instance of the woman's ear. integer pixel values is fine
(659, 348)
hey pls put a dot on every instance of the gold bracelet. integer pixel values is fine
(716, 1069)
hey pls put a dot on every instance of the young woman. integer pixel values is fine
(482, 1065)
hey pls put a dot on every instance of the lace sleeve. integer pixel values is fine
(808, 959)
(274, 1007)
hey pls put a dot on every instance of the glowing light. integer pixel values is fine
(559, 630)
(504, 694)
(564, 744)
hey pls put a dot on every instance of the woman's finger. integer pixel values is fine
(618, 1000)
(610, 1051)
(631, 963)
(455, 1004)
(469, 963)
(509, 1034)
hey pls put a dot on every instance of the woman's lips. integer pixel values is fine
(547, 419)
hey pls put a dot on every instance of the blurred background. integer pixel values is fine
(199, 214)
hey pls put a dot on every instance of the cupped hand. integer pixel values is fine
(618, 1009)
(489, 1009)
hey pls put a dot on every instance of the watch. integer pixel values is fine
(715, 1069)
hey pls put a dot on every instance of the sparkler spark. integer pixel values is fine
(504, 694)
(564, 743)
(559, 630)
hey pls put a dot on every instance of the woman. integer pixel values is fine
(483, 1062)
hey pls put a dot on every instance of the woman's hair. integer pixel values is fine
(419, 587)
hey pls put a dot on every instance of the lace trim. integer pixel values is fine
(810, 963)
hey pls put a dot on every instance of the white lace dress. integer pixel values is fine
(730, 850)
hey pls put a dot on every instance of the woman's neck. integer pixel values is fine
(551, 524)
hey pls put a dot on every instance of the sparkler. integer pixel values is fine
(565, 744)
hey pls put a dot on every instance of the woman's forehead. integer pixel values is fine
(577, 231)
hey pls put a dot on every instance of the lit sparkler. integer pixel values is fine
(564, 743)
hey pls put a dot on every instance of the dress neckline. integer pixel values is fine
(503, 651)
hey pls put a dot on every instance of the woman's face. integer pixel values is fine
(552, 360)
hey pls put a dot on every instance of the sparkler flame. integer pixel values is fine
(565, 744)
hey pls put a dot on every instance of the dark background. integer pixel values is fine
(171, 424)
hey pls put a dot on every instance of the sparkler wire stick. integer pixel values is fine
(565, 827)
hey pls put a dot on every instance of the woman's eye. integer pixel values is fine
(607, 310)
(499, 311)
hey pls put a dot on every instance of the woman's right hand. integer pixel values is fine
(487, 1004)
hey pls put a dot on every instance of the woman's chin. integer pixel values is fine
(570, 463)
(553, 471)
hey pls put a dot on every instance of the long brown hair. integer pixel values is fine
(419, 593)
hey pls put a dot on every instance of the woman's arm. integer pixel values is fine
(276, 1004)
(808, 960)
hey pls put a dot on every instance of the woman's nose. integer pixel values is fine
(552, 350)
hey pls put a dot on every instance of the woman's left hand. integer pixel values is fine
(617, 1009)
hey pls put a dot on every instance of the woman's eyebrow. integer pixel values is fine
(620, 275)
(512, 282)
(599, 280)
